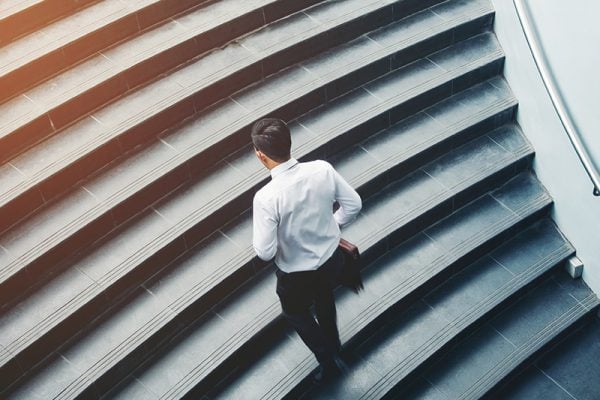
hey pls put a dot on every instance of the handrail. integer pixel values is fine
(557, 102)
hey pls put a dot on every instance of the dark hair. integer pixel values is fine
(272, 137)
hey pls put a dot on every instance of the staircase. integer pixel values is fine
(127, 176)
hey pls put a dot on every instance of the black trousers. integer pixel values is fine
(299, 291)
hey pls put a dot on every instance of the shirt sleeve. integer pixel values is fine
(348, 199)
(264, 230)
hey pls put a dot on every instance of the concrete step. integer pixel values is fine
(413, 338)
(72, 154)
(109, 199)
(20, 17)
(257, 313)
(42, 111)
(508, 342)
(392, 281)
(567, 370)
(76, 36)
(490, 104)
(126, 265)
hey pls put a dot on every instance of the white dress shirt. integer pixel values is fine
(293, 218)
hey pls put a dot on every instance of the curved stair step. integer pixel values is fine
(458, 239)
(415, 337)
(69, 40)
(480, 362)
(568, 369)
(46, 170)
(44, 110)
(266, 311)
(485, 102)
(20, 17)
(498, 163)
(164, 165)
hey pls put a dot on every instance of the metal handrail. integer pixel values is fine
(553, 92)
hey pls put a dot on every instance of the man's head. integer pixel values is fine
(272, 140)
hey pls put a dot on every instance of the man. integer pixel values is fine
(294, 222)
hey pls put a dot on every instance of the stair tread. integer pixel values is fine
(566, 371)
(43, 99)
(43, 161)
(483, 358)
(91, 76)
(21, 17)
(98, 264)
(346, 171)
(263, 302)
(65, 31)
(418, 187)
(126, 261)
(345, 313)
(434, 320)
(402, 269)
(17, 246)
(10, 7)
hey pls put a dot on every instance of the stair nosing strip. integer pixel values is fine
(257, 325)
(413, 282)
(449, 257)
(193, 34)
(509, 159)
(511, 220)
(401, 224)
(39, 53)
(378, 232)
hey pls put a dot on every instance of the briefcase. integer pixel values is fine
(351, 277)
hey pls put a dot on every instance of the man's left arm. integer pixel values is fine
(348, 199)
(264, 230)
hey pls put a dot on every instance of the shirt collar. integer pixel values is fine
(283, 167)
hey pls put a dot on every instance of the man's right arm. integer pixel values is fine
(264, 230)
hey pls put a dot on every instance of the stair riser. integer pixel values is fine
(36, 16)
(433, 354)
(376, 250)
(583, 323)
(66, 113)
(446, 208)
(236, 278)
(251, 350)
(55, 61)
(198, 165)
(577, 324)
(464, 260)
(406, 383)
(88, 164)
(437, 150)
(81, 317)
(154, 347)
(69, 112)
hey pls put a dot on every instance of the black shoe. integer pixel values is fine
(326, 372)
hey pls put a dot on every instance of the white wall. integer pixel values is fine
(570, 36)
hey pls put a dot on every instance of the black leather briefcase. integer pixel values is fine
(351, 277)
